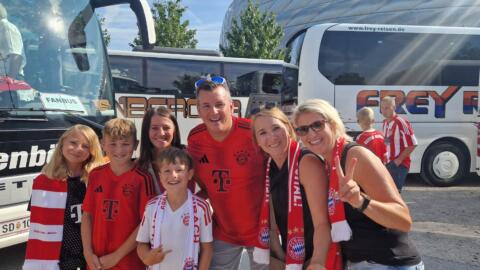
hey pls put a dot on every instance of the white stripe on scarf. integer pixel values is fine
(191, 248)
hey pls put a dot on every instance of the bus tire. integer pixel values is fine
(444, 164)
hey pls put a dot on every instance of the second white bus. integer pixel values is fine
(433, 72)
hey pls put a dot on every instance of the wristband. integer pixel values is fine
(366, 202)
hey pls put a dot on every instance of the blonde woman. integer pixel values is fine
(296, 187)
(368, 216)
(54, 241)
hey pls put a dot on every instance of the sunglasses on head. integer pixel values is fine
(266, 106)
(315, 126)
(214, 79)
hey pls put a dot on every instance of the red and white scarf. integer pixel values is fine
(47, 208)
(192, 239)
(336, 212)
(295, 240)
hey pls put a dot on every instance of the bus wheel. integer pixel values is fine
(444, 165)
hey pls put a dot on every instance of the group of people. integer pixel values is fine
(294, 193)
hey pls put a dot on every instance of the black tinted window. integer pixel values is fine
(129, 68)
(244, 79)
(173, 76)
(360, 58)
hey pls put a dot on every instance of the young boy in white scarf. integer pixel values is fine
(176, 230)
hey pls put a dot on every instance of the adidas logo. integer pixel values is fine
(204, 159)
(98, 189)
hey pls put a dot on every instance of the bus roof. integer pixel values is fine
(200, 58)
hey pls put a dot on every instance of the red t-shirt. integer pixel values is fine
(116, 204)
(374, 141)
(398, 135)
(233, 175)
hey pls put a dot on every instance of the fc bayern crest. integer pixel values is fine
(189, 264)
(264, 237)
(242, 157)
(186, 219)
(296, 248)
(331, 202)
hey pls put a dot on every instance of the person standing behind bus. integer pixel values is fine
(399, 139)
(229, 168)
(54, 241)
(370, 137)
(159, 131)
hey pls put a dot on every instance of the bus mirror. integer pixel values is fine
(78, 39)
(145, 22)
(144, 16)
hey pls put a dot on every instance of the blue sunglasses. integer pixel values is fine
(214, 79)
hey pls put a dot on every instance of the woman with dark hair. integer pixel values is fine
(159, 131)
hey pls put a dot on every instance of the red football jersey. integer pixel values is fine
(398, 135)
(116, 204)
(233, 174)
(374, 141)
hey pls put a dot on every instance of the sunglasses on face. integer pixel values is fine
(214, 79)
(315, 126)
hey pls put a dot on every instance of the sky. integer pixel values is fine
(206, 16)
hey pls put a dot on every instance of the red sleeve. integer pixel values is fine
(147, 191)
(88, 203)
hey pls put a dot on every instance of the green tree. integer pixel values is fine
(106, 34)
(171, 32)
(256, 35)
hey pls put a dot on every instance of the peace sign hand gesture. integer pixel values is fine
(348, 189)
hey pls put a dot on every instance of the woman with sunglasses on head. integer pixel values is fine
(159, 131)
(368, 216)
(296, 187)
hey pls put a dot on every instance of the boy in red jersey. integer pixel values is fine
(229, 168)
(371, 138)
(116, 197)
(399, 139)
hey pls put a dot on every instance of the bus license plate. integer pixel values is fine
(15, 226)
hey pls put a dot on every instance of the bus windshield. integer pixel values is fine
(38, 71)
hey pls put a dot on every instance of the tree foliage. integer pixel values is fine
(171, 32)
(105, 33)
(256, 35)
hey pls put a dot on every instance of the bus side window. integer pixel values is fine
(175, 76)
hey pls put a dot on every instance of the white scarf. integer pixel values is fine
(192, 239)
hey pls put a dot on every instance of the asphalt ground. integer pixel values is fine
(446, 228)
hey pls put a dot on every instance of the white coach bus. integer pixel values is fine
(433, 72)
(144, 79)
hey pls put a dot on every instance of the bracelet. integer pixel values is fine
(366, 202)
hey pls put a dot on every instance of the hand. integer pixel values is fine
(398, 163)
(93, 261)
(155, 255)
(348, 189)
(316, 266)
(109, 260)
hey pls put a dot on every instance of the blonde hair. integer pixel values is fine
(327, 111)
(365, 116)
(275, 113)
(57, 168)
(389, 100)
(120, 129)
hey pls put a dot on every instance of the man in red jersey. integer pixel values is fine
(399, 139)
(230, 170)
